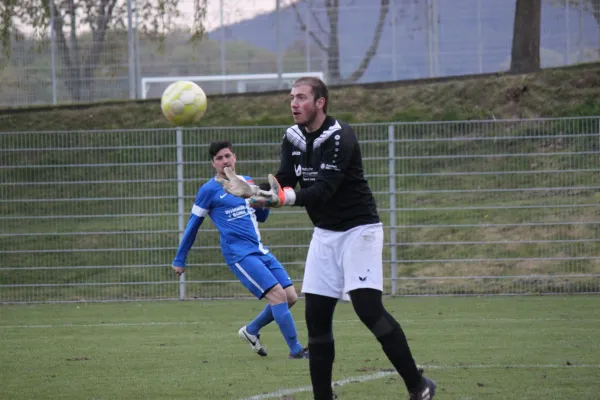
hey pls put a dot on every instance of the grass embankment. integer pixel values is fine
(571, 91)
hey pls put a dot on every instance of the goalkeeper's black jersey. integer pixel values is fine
(328, 166)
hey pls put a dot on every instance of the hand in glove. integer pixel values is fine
(236, 186)
(275, 197)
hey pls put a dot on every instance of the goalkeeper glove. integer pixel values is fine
(275, 197)
(236, 186)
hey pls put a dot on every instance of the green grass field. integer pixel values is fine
(492, 348)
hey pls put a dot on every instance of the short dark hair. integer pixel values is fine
(217, 146)
(319, 88)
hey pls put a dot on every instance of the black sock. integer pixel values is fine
(396, 349)
(319, 320)
(369, 308)
(321, 365)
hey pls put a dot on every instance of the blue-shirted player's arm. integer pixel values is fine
(189, 236)
(202, 205)
(261, 214)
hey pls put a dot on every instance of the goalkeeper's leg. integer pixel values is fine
(363, 280)
(319, 321)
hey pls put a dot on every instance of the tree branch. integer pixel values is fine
(63, 47)
(7, 12)
(360, 70)
(318, 21)
(104, 16)
(304, 28)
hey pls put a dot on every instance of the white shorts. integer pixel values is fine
(338, 262)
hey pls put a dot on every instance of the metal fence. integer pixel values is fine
(487, 207)
(419, 39)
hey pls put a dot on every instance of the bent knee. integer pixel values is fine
(276, 295)
(292, 296)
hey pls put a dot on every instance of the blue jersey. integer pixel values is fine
(235, 220)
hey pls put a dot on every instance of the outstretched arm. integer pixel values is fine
(189, 236)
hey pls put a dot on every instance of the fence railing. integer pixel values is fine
(470, 207)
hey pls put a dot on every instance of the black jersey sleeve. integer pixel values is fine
(336, 155)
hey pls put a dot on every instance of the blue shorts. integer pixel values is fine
(260, 272)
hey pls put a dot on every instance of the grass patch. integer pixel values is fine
(480, 348)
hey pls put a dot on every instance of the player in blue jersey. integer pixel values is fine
(251, 262)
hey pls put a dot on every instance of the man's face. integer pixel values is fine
(224, 158)
(304, 107)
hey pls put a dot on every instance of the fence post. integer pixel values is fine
(393, 18)
(180, 202)
(392, 182)
(53, 52)
(130, 51)
(568, 29)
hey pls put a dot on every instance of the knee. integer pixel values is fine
(292, 296)
(319, 318)
(276, 295)
(368, 314)
(368, 306)
(369, 309)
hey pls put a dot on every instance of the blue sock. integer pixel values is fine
(283, 317)
(263, 319)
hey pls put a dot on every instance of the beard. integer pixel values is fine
(310, 118)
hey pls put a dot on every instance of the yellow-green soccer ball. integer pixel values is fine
(183, 103)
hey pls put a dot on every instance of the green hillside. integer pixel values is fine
(570, 91)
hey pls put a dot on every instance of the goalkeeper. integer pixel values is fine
(251, 262)
(345, 254)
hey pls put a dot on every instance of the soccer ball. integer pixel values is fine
(183, 103)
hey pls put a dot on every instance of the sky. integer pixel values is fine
(233, 10)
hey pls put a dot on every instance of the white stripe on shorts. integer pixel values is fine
(252, 281)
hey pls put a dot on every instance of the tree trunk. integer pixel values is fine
(333, 49)
(525, 55)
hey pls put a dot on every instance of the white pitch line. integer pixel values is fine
(285, 392)
(383, 374)
(412, 321)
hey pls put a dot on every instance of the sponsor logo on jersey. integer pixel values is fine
(237, 212)
(329, 166)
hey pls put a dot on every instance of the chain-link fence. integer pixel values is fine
(493, 207)
(417, 39)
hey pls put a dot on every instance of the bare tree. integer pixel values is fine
(332, 45)
(591, 6)
(70, 17)
(525, 55)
